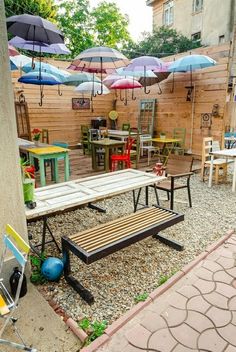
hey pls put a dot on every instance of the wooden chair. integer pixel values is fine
(218, 164)
(135, 150)
(179, 133)
(45, 136)
(124, 158)
(85, 139)
(125, 126)
(178, 167)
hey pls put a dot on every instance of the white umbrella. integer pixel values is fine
(92, 88)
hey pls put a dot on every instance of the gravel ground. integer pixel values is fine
(117, 279)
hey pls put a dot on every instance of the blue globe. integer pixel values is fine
(52, 268)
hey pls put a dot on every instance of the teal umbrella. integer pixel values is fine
(78, 78)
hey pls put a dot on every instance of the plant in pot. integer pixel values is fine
(28, 182)
(36, 133)
(162, 135)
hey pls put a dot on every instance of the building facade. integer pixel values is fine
(209, 21)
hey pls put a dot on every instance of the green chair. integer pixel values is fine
(85, 139)
(179, 133)
(62, 145)
(125, 126)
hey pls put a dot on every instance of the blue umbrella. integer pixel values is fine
(18, 61)
(41, 79)
(191, 63)
(46, 68)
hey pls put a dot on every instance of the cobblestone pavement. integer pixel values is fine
(197, 313)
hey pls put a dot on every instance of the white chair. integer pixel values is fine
(146, 145)
(14, 243)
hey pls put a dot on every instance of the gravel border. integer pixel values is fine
(117, 279)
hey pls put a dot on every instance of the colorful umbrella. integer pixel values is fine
(126, 83)
(19, 61)
(46, 68)
(59, 48)
(12, 51)
(191, 63)
(110, 79)
(41, 79)
(160, 74)
(34, 28)
(99, 60)
(81, 77)
(143, 64)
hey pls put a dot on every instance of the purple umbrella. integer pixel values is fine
(144, 63)
(39, 46)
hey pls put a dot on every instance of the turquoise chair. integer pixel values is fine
(62, 145)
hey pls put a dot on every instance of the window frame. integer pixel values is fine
(168, 8)
(194, 34)
(197, 9)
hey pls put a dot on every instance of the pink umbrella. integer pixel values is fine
(126, 83)
(12, 51)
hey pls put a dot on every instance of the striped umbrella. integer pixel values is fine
(99, 60)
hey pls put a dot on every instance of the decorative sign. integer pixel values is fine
(80, 103)
(206, 120)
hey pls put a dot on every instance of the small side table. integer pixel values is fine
(45, 153)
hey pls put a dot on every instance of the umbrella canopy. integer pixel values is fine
(46, 68)
(19, 61)
(123, 71)
(92, 88)
(144, 64)
(99, 58)
(161, 73)
(191, 62)
(110, 79)
(12, 51)
(34, 28)
(43, 78)
(41, 47)
(81, 77)
(126, 83)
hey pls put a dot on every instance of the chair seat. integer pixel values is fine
(166, 186)
(119, 157)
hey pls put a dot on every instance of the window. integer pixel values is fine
(197, 5)
(168, 13)
(221, 39)
(196, 37)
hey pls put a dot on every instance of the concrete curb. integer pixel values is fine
(114, 327)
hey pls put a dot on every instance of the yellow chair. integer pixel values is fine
(14, 243)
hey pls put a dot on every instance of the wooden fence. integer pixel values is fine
(210, 88)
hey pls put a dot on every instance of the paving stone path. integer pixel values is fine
(198, 313)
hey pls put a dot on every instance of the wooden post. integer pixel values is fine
(11, 200)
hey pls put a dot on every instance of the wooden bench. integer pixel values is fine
(98, 242)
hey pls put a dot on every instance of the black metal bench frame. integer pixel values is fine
(68, 245)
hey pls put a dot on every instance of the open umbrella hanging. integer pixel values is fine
(59, 48)
(34, 28)
(126, 83)
(191, 63)
(144, 64)
(99, 60)
(80, 77)
(12, 51)
(92, 88)
(17, 62)
(41, 79)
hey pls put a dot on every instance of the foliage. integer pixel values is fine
(141, 297)
(44, 8)
(163, 42)
(24, 164)
(74, 21)
(36, 132)
(162, 279)
(110, 26)
(36, 262)
(94, 329)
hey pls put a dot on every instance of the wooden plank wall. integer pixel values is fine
(172, 109)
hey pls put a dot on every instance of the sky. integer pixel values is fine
(140, 15)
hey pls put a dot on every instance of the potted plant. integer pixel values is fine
(36, 133)
(28, 181)
(162, 135)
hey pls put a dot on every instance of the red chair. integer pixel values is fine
(124, 158)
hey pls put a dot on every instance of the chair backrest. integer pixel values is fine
(61, 144)
(206, 148)
(180, 133)
(125, 126)
(45, 136)
(129, 142)
(179, 164)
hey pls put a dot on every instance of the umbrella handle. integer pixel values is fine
(173, 83)
(59, 90)
(146, 91)
(133, 97)
(121, 99)
(41, 96)
(160, 90)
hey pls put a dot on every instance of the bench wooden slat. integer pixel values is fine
(105, 239)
